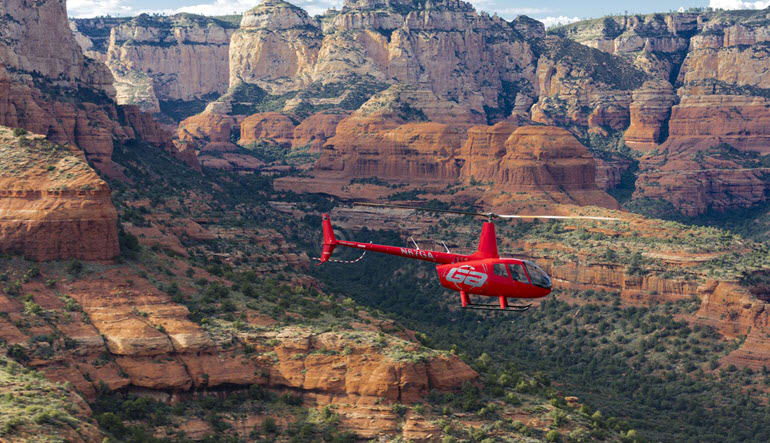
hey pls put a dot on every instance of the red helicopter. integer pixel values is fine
(481, 273)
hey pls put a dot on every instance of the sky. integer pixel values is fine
(549, 12)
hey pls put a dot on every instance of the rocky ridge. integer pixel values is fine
(126, 335)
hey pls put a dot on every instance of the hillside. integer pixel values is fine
(53, 203)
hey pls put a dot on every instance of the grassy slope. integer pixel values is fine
(35, 409)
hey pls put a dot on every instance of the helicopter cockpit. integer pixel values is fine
(537, 275)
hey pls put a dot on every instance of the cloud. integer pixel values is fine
(738, 4)
(218, 7)
(93, 8)
(556, 21)
(523, 11)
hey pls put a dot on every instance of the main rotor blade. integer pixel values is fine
(486, 214)
(559, 217)
(417, 208)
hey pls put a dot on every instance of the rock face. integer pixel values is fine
(657, 43)
(698, 179)
(49, 87)
(53, 206)
(348, 56)
(718, 62)
(316, 130)
(534, 158)
(516, 159)
(650, 111)
(375, 147)
(271, 127)
(584, 89)
(168, 59)
(276, 40)
(93, 34)
(210, 137)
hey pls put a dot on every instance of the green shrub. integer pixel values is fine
(269, 426)
(75, 267)
(399, 409)
(18, 132)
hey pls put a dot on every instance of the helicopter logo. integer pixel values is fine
(466, 274)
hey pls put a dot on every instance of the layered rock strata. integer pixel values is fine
(53, 206)
(583, 89)
(717, 60)
(649, 114)
(133, 337)
(513, 158)
(282, 55)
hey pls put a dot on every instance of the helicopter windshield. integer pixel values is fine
(537, 275)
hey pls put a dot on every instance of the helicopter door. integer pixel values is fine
(499, 270)
(517, 272)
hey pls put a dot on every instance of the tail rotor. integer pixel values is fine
(330, 242)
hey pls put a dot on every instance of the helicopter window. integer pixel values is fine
(538, 276)
(499, 269)
(517, 272)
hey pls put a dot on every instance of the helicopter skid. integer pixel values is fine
(494, 307)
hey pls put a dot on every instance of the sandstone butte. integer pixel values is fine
(53, 206)
(154, 347)
(210, 132)
(533, 159)
(41, 79)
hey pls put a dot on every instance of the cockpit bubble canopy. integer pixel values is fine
(537, 275)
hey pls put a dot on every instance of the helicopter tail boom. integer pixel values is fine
(330, 243)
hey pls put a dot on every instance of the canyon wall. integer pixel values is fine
(679, 82)
(716, 62)
(169, 64)
(49, 87)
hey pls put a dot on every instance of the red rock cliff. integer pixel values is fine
(53, 206)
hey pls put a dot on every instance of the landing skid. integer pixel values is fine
(494, 307)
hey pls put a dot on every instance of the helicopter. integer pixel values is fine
(482, 273)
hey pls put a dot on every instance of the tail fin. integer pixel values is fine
(329, 241)
(487, 242)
